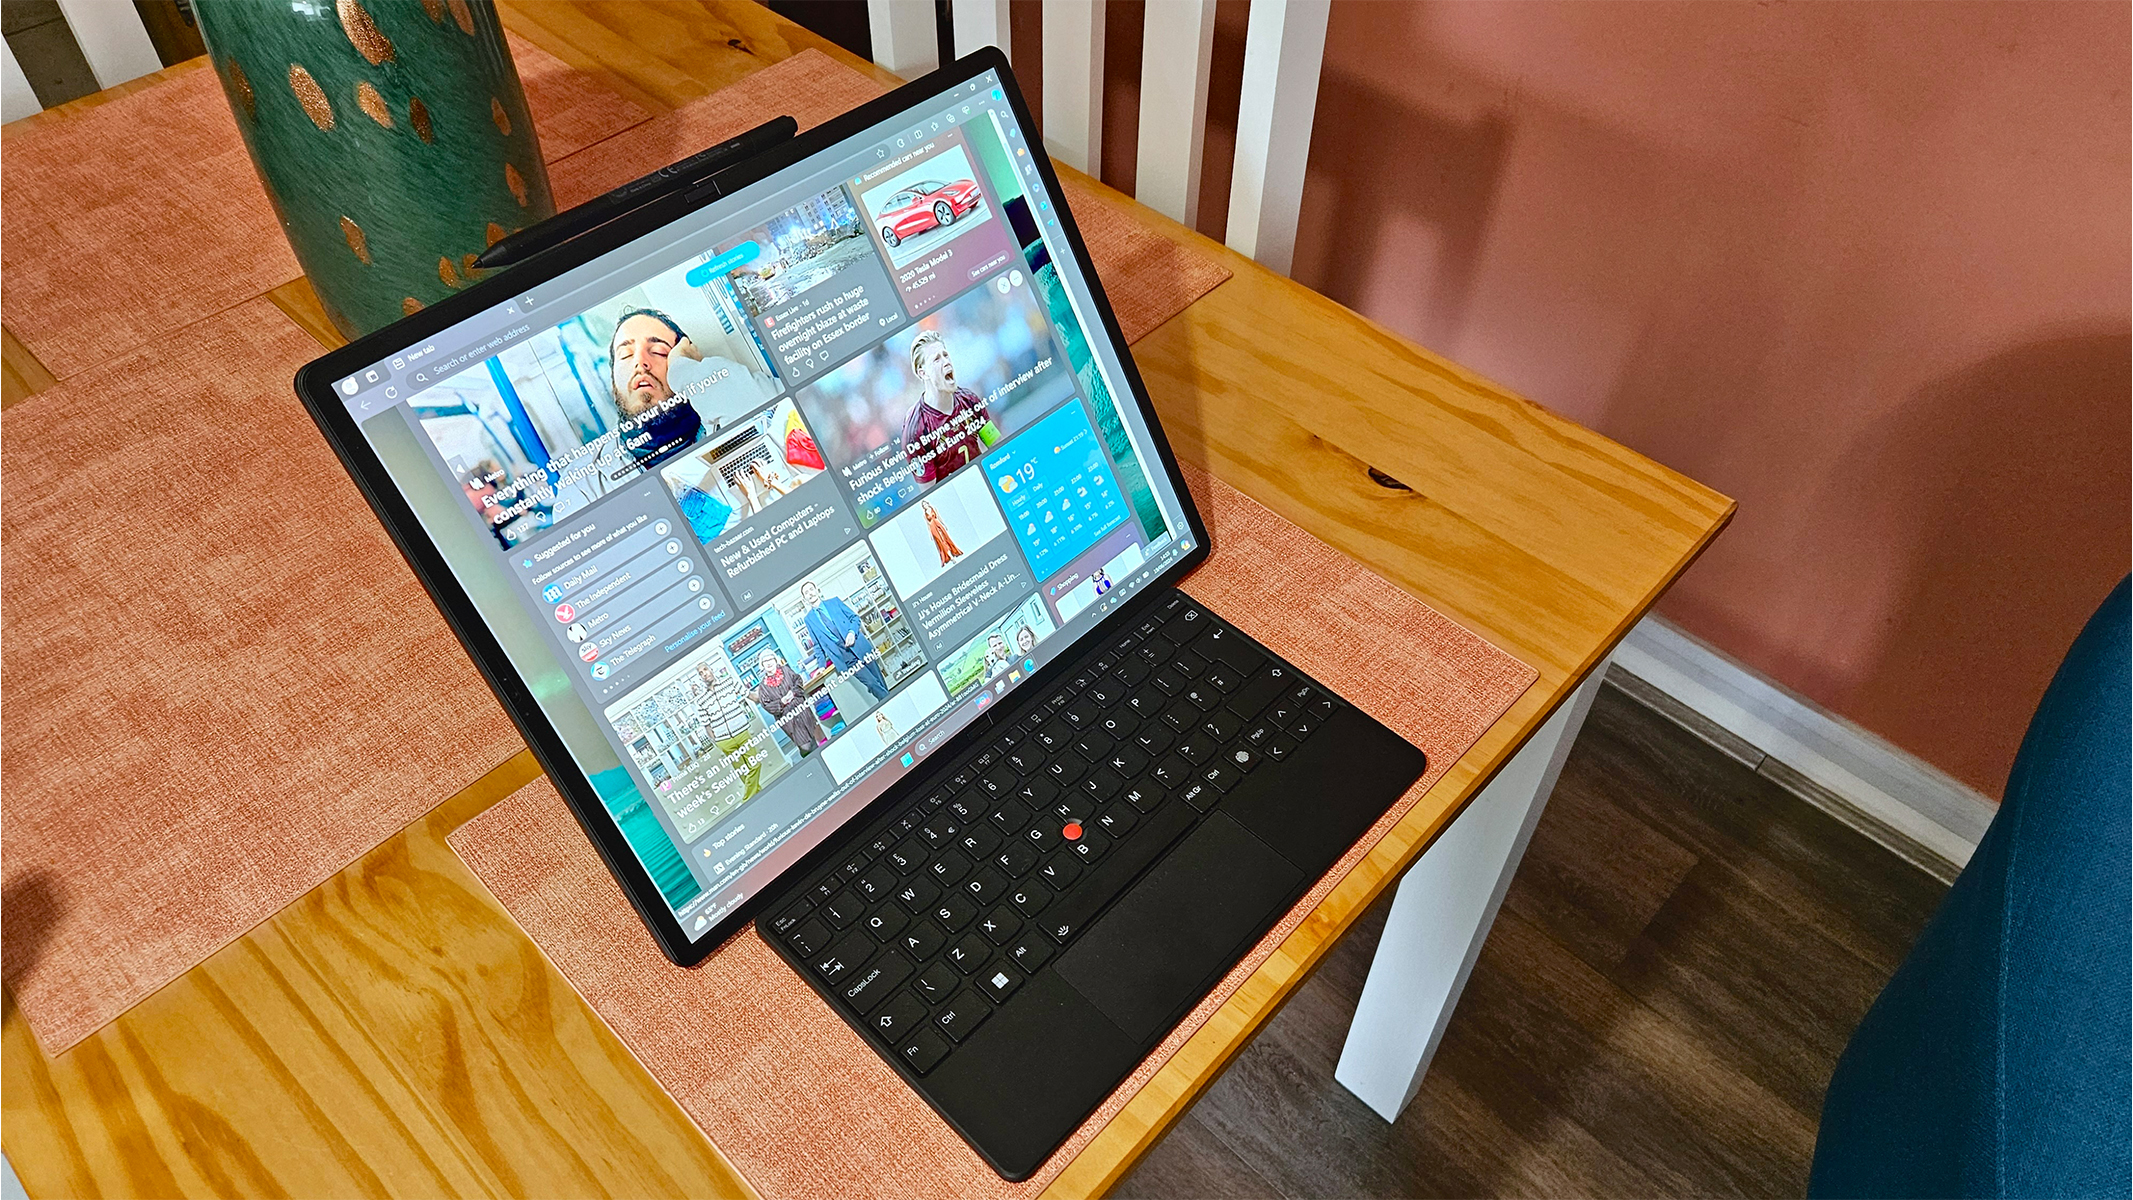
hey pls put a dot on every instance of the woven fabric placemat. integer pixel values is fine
(138, 217)
(791, 1096)
(223, 683)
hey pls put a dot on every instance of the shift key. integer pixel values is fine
(1114, 872)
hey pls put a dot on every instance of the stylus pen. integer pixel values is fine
(631, 196)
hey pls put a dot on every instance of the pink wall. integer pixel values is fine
(1862, 266)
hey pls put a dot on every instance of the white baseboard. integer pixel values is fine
(1892, 796)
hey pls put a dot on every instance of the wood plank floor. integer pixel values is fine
(1677, 966)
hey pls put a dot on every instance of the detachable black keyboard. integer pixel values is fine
(933, 922)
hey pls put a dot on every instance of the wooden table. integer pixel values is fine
(393, 1032)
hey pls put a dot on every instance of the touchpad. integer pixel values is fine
(1167, 939)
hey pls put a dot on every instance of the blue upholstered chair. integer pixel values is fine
(1995, 1063)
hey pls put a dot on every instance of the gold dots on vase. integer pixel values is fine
(373, 105)
(418, 115)
(494, 234)
(447, 273)
(498, 115)
(409, 306)
(240, 88)
(516, 182)
(311, 96)
(356, 241)
(435, 9)
(463, 15)
(363, 32)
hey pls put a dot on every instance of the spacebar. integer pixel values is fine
(1120, 867)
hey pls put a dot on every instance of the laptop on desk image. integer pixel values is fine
(815, 528)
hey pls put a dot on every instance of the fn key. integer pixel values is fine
(924, 1051)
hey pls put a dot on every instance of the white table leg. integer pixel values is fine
(1442, 913)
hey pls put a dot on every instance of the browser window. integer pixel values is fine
(768, 504)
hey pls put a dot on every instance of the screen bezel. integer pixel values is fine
(314, 387)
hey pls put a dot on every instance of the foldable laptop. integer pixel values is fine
(816, 530)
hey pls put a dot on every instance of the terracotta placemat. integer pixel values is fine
(1148, 278)
(138, 217)
(791, 1095)
(223, 684)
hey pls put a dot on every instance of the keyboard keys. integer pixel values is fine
(947, 867)
(1243, 758)
(924, 1051)
(1117, 819)
(1201, 795)
(790, 919)
(1093, 745)
(1168, 680)
(1222, 725)
(939, 830)
(809, 937)
(1171, 772)
(900, 1016)
(1064, 770)
(840, 960)
(915, 895)
(1155, 651)
(967, 807)
(886, 922)
(1010, 817)
(963, 1015)
(922, 940)
(1089, 846)
(1147, 702)
(998, 782)
(1029, 898)
(1144, 798)
(969, 954)
(1222, 677)
(1126, 761)
(1030, 952)
(1223, 774)
(1101, 784)
(876, 982)
(954, 911)
(937, 982)
(999, 981)
(1000, 925)
(985, 886)
(1036, 791)
(1060, 871)
(1016, 859)
(1041, 837)
(978, 842)
(1181, 717)
(1280, 748)
(843, 909)
(1303, 727)
(1196, 749)
(1152, 738)
(1232, 649)
(1055, 737)
(877, 883)
(1131, 671)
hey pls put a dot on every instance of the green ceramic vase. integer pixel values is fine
(392, 137)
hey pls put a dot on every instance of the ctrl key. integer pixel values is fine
(924, 1051)
(963, 1015)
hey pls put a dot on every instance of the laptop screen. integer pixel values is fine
(767, 504)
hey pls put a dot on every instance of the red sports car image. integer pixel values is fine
(926, 205)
